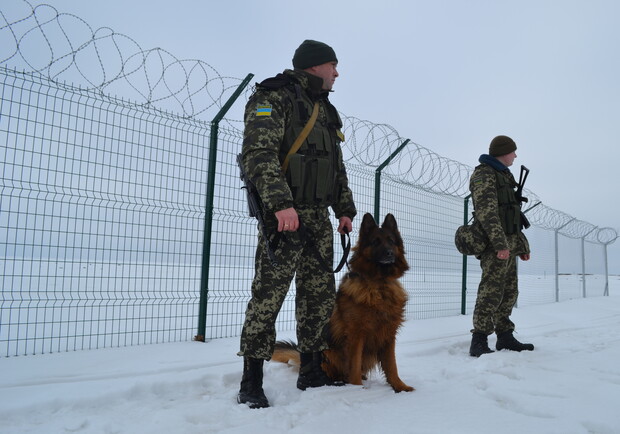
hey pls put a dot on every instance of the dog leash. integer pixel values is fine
(306, 235)
(345, 240)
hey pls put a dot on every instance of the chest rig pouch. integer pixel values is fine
(312, 173)
(509, 209)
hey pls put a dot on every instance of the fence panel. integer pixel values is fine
(537, 276)
(427, 222)
(101, 219)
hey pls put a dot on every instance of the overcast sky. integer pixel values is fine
(448, 74)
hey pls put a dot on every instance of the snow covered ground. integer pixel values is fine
(569, 384)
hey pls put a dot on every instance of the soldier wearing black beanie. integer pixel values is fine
(312, 53)
(280, 108)
(498, 214)
(502, 145)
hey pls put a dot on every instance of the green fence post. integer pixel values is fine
(206, 246)
(464, 277)
(378, 178)
(606, 290)
(557, 260)
(583, 261)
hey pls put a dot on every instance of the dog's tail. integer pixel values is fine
(286, 352)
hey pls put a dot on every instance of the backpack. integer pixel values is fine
(471, 239)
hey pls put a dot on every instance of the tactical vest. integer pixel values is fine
(509, 209)
(312, 174)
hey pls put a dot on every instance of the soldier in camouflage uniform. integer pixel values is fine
(498, 211)
(314, 180)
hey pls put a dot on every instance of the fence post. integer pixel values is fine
(378, 178)
(583, 262)
(206, 246)
(464, 276)
(606, 290)
(557, 261)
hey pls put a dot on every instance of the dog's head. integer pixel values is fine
(379, 249)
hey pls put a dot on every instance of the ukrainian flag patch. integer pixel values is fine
(263, 110)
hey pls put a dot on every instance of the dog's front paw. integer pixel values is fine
(402, 387)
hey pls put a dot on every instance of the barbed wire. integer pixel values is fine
(62, 47)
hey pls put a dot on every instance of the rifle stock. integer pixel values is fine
(255, 208)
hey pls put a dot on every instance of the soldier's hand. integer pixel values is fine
(503, 254)
(345, 224)
(525, 257)
(288, 220)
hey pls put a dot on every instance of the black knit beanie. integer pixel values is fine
(311, 53)
(502, 145)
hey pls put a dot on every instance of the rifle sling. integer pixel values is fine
(302, 136)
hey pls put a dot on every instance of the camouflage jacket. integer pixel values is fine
(269, 121)
(484, 186)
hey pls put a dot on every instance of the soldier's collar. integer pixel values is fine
(493, 162)
(312, 83)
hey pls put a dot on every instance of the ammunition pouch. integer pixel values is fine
(509, 207)
(312, 179)
(510, 216)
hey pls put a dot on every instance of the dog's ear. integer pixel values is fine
(390, 223)
(368, 223)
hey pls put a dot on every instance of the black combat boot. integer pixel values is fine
(311, 374)
(251, 392)
(479, 345)
(506, 341)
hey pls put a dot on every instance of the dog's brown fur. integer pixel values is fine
(369, 310)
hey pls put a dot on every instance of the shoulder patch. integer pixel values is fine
(477, 180)
(263, 110)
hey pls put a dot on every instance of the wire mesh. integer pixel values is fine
(100, 219)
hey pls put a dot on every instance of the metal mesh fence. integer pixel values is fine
(101, 212)
(102, 202)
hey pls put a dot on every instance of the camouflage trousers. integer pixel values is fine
(497, 294)
(315, 289)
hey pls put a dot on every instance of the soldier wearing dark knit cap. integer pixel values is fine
(302, 191)
(311, 53)
(498, 212)
(502, 145)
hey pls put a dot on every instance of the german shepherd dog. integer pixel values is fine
(369, 310)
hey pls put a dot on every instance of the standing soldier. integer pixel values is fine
(498, 210)
(295, 187)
